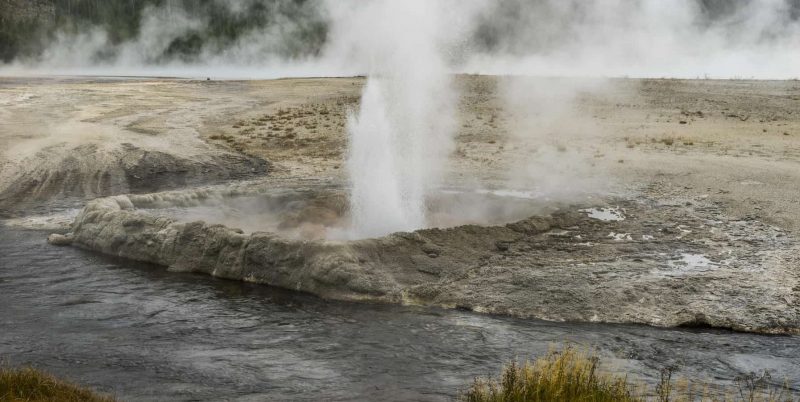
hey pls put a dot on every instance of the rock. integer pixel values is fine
(532, 225)
(59, 239)
(431, 250)
(502, 245)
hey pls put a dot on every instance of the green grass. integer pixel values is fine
(31, 385)
(570, 375)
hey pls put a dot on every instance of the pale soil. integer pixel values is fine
(706, 173)
(740, 144)
(742, 149)
(64, 139)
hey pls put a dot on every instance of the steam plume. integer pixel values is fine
(268, 38)
(402, 135)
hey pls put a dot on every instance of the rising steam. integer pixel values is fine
(402, 134)
(400, 139)
(640, 38)
(647, 38)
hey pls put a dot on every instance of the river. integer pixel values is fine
(142, 333)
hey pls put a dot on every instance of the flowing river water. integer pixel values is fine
(142, 333)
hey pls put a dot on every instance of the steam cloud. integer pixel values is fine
(403, 132)
(644, 38)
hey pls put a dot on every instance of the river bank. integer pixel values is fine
(138, 332)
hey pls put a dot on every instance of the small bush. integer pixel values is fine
(30, 385)
(569, 375)
(565, 375)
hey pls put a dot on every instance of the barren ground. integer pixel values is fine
(706, 174)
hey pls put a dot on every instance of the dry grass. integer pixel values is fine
(561, 376)
(669, 141)
(30, 385)
(570, 375)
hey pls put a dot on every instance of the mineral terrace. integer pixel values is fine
(661, 202)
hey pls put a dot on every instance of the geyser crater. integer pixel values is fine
(324, 214)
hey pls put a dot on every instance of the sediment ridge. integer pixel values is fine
(697, 268)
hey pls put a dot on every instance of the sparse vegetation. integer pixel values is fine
(631, 142)
(31, 385)
(565, 375)
(571, 375)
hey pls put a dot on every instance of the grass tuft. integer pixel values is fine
(570, 375)
(31, 385)
(566, 375)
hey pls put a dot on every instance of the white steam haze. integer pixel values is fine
(644, 38)
(638, 38)
(545, 120)
(402, 134)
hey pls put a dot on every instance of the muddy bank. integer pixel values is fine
(87, 171)
(67, 140)
(170, 336)
(664, 263)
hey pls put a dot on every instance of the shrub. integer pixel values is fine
(565, 375)
(570, 375)
(31, 385)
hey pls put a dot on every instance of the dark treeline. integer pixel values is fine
(28, 26)
(507, 24)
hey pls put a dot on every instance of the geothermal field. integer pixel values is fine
(392, 214)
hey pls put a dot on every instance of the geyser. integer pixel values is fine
(396, 154)
(383, 199)
(402, 134)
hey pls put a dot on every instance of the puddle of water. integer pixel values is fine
(605, 214)
(692, 262)
(529, 195)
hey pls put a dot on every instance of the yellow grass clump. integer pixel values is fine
(561, 376)
(31, 385)
(569, 375)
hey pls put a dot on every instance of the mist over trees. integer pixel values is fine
(163, 31)
(28, 26)
(525, 26)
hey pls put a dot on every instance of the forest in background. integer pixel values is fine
(297, 28)
(28, 26)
